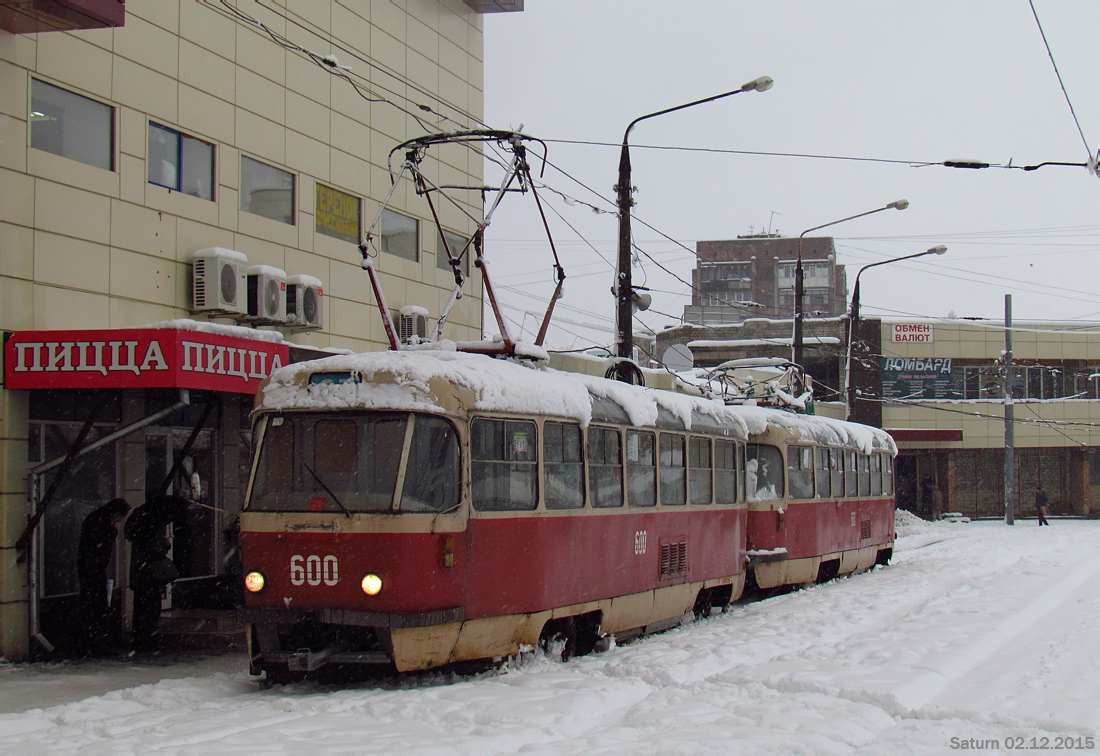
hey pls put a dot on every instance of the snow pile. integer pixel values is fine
(906, 523)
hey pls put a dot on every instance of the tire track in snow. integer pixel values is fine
(925, 687)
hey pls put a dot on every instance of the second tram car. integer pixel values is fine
(425, 507)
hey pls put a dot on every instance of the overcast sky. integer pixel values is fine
(920, 82)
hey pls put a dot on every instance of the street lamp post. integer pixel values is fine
(853, 320)
(624, 289)
(796, 348)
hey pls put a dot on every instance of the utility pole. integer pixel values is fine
(1010, 451)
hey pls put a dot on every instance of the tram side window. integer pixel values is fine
(605, 466)
(432, 474)
(505, 465)
(699, 470)
(836, 473)
(821, 472)
(725, 472)
(887, 475)
(800, 471)
(673, 471)
(876, 474)
(764, 472)
(851, 485)
(563, 467)
(864, 461)
(641, 469)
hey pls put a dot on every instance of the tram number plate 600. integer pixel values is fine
(313, 570)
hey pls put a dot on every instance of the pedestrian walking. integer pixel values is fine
(1041, 500)
(151, 569)
(98, 534)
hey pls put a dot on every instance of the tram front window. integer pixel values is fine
(325, 462)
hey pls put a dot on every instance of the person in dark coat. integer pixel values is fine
(150, 568)
(97, 543)
(1041, 501)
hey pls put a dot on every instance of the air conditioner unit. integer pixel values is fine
(266, 295)
(305, 303)
(218, 281)
(412, 324)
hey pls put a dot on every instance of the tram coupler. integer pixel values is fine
(304, 660)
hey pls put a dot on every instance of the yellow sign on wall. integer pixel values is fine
(337, 214)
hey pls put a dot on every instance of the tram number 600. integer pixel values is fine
(313, 570)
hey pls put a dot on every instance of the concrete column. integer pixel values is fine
(14, 592)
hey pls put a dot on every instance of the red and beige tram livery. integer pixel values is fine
(419, 508)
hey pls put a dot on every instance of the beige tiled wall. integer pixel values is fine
(85, 247)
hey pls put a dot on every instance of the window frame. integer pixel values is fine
(247, 208)
(701, 477)
(674, 481)
(42, 145)
(441, 260)
(385, 239)
(596, 459)
(549, 429)
(181, 138)
(522, 472)
(641, 477)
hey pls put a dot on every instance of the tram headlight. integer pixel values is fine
(371, 585)
(254, 582)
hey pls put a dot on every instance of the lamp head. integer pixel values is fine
(763, 84)
(899, 204)
(937, 250)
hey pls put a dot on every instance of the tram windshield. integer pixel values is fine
(327, 462)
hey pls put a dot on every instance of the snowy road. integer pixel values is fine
(976, 633)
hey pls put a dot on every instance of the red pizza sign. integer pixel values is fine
(139, 358)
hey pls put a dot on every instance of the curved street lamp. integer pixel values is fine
(853, 319)
(796, 348)
(624, 289)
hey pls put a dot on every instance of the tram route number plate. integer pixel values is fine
(314, 570)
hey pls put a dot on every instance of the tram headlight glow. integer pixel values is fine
(254, 582)
(371, 585)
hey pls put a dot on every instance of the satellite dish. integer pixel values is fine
(678, 358)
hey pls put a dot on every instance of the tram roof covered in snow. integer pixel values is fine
(434, 380)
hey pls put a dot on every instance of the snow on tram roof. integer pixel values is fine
(505, 385)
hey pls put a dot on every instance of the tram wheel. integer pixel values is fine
(559, 639)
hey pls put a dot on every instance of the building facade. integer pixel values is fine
(753, 277)
(259, 135)
(938, 387)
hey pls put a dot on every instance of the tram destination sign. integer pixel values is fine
(920, 378)
(139, 358)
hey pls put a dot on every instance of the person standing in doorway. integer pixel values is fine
(98, 534)
(1041, 500)
(937, 503)
(150, 567)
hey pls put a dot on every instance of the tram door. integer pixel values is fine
(194, 551)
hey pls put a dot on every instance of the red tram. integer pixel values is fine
(425, 507)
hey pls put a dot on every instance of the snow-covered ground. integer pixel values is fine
(977, 632)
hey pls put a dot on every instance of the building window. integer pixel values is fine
(337, 214)
(457, 243)
(400, 235)
(267, 190)
(180, 162)
(72, 126)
